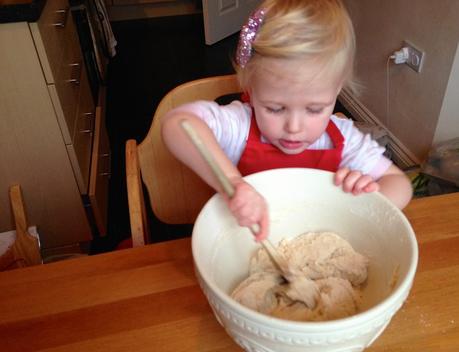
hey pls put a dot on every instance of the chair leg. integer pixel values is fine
(137, 212)
(26, 246)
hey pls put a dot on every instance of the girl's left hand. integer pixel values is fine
(355, 182)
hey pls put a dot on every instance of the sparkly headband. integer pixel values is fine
(247, 36)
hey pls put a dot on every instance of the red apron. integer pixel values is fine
(258, 156)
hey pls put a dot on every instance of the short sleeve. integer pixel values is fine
(229, 123)
(361, 152)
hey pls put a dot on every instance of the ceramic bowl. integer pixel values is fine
(303, 200)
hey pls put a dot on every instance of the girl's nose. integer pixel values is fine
(293, 123)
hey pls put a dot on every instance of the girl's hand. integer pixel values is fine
(249, 208)
(355, 182)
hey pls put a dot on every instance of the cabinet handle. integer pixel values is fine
(63, 13)
(108, 163)
(73, 80)
(75, 74)
(89, 120)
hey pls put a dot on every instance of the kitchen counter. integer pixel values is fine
(20, 10)
(148, 299)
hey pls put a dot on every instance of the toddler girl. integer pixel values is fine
(293, 58)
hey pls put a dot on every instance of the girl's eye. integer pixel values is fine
(314, 111)
(274, 110)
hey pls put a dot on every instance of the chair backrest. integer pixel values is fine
(176, 194)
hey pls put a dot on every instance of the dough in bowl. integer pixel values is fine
(327, 259)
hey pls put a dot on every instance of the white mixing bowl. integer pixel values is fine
(303, 200)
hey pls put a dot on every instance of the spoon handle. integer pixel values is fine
(198, 143)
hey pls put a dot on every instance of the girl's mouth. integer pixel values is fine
(290, 144)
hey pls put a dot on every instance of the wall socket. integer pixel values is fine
(415, 58)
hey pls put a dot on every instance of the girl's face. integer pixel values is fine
(293, 102)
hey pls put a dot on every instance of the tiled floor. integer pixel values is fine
(153, 56)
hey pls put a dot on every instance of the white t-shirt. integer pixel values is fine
(231, 123)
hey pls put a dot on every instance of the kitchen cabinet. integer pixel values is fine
(137, 2)
(52, 131)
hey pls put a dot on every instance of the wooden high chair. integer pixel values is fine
(25, 250)
(176, 194)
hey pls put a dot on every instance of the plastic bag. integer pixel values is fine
(443, 161)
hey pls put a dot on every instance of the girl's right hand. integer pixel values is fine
(249, 208)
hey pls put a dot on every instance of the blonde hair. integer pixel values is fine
(304, 29)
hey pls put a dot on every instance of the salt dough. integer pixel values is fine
(336, 270)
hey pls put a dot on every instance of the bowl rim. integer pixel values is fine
(318, 326)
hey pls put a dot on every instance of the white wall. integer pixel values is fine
(415, 99)
(448, 121)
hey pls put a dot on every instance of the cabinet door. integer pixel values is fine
(49, 33)
(69, 77)
(100, 170)
(57, 44)
(33, 153)
(81, 147)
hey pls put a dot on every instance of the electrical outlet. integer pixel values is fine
(415, 56)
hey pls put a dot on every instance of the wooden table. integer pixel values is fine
(147, 298)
